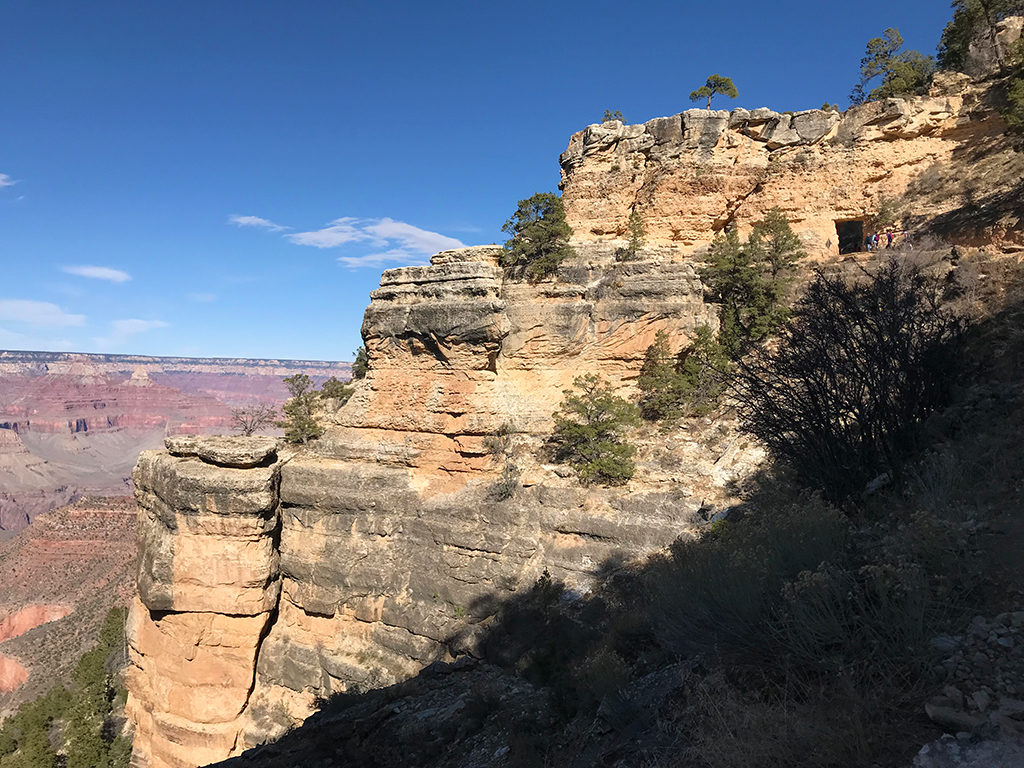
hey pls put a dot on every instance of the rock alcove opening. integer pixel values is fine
(851, 235)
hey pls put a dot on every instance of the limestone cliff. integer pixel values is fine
(270, 578)
(692, 174)
(376, 550)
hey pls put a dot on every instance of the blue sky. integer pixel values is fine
(229, 178)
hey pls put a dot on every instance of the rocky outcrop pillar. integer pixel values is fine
(208, 590)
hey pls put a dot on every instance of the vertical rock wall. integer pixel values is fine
(269, 580)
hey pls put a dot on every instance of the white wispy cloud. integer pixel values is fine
(39, 314)
(393, 256)
(338, 232)
(7, 181)
(393, 241)
(257, 222)
(99, 273)
(202, 298)
(121, 331)
(413, 238)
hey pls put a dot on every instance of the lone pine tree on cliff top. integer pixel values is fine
(716, 84)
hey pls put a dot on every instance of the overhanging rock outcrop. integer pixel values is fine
(379, 548)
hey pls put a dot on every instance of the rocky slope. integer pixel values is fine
(61, 575)
(269, 579)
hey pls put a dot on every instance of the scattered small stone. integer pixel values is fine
(981, 700)
(951, 718)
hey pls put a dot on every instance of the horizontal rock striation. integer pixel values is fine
(378, 548)
(692, 174)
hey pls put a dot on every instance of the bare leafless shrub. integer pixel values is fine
(841, 397)
(501, 447)
(714, 593)
(250, 419)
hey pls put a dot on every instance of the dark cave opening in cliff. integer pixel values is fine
(851, 235)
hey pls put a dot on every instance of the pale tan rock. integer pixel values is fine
(233, 451)
(690, 174)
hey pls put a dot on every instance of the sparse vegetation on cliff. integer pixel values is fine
(589, 432)
(334, 389)
(500, 446)
(637, 237)
(361, 365)
(749, 280)
(687, 384)
(250, 419)
(1013, 112)
(972, 18)
(902, 72)
(716, 85)
(612, 114)
(539, 239)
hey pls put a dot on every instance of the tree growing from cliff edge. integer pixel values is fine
(971, 19)
(749, 280)
(902, 72)
(589, 432)
(539, 239)
(637, 236)
(361, 365)
(687, 384)
(299, 423)
(716, 85)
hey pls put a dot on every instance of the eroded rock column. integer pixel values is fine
(208, 590)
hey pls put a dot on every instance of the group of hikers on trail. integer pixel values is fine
(874, 242)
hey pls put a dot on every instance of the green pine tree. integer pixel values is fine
(661, 394)
(902, 72)
(361, 365)
(299, 423)
(540, 235)
(716, 85)
(589, 432)
(749, 280)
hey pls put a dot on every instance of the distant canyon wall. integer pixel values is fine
(73, 424)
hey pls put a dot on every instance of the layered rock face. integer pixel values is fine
(692, 174)
(358, 560)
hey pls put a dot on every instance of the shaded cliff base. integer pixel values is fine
(788, 635)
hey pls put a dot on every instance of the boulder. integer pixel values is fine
(233, 451)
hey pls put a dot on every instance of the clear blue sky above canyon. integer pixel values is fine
(229, 178)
